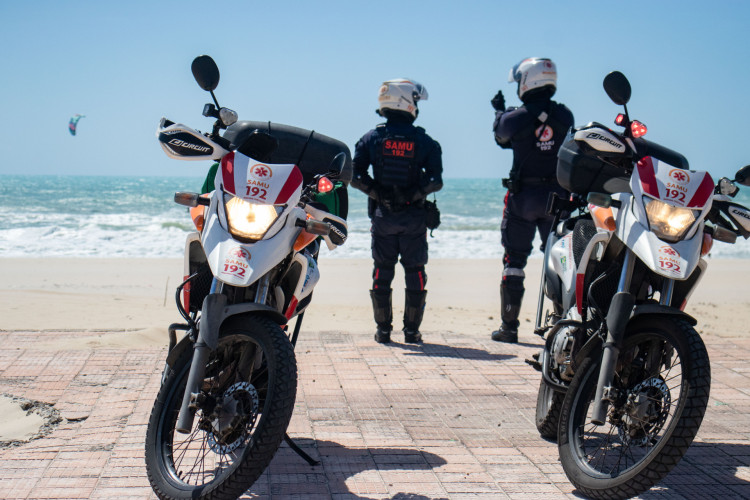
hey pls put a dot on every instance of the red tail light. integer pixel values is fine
(638, 129)
(324, 185)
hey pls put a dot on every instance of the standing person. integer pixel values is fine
(406, 167)
(535, 131)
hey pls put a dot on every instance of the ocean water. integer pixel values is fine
(79, 216)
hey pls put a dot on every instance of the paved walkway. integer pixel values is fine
(451, 419)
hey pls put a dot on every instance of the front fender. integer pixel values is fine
(219, 317)
(641, 312)
(644, 310)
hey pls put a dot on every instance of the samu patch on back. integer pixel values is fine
(398, 148)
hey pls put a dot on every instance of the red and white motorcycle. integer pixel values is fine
(229, 384)
(625, 376)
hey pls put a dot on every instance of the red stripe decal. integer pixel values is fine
(292, 183)
(292, 306)
(227, 172)
(579, 292)
(704, 192)
(647, 176)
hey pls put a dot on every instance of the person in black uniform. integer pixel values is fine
(535, 131)
(406, 167)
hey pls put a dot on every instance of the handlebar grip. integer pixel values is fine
(313, 226)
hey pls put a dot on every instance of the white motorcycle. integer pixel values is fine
(625, 376)
(229, 384)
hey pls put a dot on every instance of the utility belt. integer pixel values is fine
(393, 204)
(514, 184)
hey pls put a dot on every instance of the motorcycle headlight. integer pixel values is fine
(249, 221)
(668, 222)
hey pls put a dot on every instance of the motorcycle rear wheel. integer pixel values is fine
(250, 386)
(662, 380)
(548, 405)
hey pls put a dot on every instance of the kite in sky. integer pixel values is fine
(74, 123)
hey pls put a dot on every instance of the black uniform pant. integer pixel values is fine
(401, 234)
(524, 214)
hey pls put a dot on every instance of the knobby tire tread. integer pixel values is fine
(677, 444)
(547, 427)
(271, 429)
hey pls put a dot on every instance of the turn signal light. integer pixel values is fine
(638, 129)
(619, 119)
(708, 243)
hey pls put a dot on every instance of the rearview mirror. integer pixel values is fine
(743, 176)
(617, 87)
(205, 72)
(337, 165)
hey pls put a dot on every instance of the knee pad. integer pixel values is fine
(415, 277)
(382, 277)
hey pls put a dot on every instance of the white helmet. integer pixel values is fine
(401, 94)
(534, 73)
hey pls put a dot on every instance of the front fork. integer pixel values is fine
(618, 316)
(212, 315)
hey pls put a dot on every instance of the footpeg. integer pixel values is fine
(534, 363)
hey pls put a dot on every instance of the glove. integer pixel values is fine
(498, 102)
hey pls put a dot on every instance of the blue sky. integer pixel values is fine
(318, 65)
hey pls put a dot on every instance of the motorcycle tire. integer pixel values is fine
(662, 382)
(548, 405)
(250, 387)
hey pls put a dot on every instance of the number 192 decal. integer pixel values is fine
(256, 192)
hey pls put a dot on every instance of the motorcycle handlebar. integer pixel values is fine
(645, 147)
(313, 226)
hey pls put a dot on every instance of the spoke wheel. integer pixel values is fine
(661, 387)
(243, 410)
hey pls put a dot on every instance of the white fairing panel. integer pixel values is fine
(258, 182)
(241, 264)
(563, 262)
(673, 260)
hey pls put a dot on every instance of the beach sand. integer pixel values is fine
(130, 302)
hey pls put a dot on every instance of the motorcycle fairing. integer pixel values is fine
(673, 260)
(241, 264)
(258, 182)
(561, 259)
(674, 186)
(677, 187)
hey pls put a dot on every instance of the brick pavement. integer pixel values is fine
(451, 419)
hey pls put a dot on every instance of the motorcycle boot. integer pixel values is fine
(511, 295)
(413, 313)
(383, 312)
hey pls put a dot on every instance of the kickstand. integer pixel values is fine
(310, 460)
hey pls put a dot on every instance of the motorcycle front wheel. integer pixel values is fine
(661, 387)
(246, 402)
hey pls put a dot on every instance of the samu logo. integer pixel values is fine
(261, 172)
(679, 175)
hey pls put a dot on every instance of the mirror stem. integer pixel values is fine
(217, 102)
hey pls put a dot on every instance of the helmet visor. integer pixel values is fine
(515, 75)
(420, 92)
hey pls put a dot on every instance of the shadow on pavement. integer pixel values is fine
(447, 351)
(338, 463)
(708, 470)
